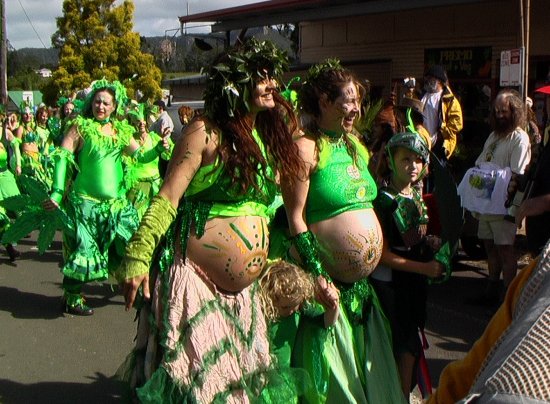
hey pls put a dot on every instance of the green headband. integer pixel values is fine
(24, 105)
(232, 79)
(115, 86)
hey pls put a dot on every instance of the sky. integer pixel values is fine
(151, 18)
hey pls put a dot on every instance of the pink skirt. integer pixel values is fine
(203, 344)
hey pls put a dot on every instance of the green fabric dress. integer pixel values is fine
(8, 187)
(104, 219)
(352, 361)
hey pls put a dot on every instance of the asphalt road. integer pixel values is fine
(50, 357)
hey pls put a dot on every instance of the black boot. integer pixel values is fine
(12, 252)
(75, 304)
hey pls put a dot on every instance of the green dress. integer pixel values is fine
(8, 187)
(104, 219)
(351, 361)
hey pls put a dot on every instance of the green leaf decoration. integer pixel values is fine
(33, 216)
(16, 203)
(24, 224)
(37, 190)
(232, 78)
(45, 237)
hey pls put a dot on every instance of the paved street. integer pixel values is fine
(46, 356)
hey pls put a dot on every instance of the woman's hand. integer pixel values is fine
(18, 171)
(131, 287)
(49, 204)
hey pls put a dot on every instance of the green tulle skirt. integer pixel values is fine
(352, 361)
(102, 229)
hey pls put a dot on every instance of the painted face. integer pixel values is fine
(285, 306)
(262, 96)
(103, 105)
(342, 112)
(407, 166)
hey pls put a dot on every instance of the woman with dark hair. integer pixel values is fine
(103, 218)
(208, 339)
(336, 236)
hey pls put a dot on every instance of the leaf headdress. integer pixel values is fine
(115, 86)
(320, 68)
(232, 78)
(26, 107)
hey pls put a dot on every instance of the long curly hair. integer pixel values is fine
(283, 280)
(232, 81)
(517, 107)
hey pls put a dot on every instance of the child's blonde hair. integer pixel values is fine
(282, 279)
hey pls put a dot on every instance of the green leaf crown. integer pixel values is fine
(232, 78)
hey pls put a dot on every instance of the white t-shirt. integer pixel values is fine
(513, 151)
(431, 113)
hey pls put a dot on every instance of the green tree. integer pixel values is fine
(96, 41)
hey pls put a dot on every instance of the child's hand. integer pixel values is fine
(433, 242)
(324, 293)
(333, 295)
(434, 269)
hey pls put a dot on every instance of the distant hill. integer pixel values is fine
(40, 57)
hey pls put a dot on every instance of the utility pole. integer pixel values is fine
(3, 56)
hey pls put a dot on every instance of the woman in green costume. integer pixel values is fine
(208, 339)
(103, 218)
(8, 186)
(31, 161)
(145, 177)
(337, 237)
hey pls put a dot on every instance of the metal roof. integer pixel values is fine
(293, 11)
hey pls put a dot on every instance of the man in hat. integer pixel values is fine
(442, 112)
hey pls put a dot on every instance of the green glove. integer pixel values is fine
(61, 157)
(146, 156)
(139, 251)
(307, 247)
(16, 151)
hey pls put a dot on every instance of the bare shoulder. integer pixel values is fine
(307, 147)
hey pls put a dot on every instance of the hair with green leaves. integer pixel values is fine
(232, 78)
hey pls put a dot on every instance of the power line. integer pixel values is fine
(32, 26)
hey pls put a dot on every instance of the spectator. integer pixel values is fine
(163, 120)
(506, 147)
(442, 112)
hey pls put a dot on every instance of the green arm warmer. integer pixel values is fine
(139, 251)
(58, 184)
(146, 156)
(16, 151)
(307, 247)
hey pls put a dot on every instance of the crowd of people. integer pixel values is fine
(274, 253)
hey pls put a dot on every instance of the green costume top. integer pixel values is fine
(141, 171)
(338, 184)
(29, 133)
(43, 138)
(404, 221)
(101, 154)
(210, 194)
